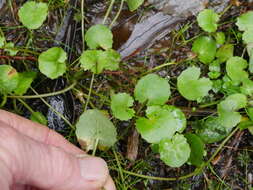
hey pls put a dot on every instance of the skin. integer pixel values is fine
(33, 157)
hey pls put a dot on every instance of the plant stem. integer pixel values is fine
(108, 11)
(95, 147)
(118, 13)
(120, 168)
(89, 94)
(47, 94)
(82, 23)
(4, 100)
(55, 111)
(159, 67)
(26, 105)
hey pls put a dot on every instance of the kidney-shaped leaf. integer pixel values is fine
(161, 122)
(244, 22)
(205, 48)
(9, 79)
(235, 69)
(174, 152)
(227, 110)
(211, 130)
(153, 89)
(207, 20)
(197, 149)
(134, 4)
(191, 86)
(25, 81)
(99, 36)
(94, 126)
(98, 60)
(120, 106)
(33, 14)
(52, 62)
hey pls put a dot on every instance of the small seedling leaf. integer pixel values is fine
(225, 52)
(120, 106)
(9, 79)
(109, 59)
(228, 116)
(191, 86)
(25, 81)
(153, 89)
(220, 38)
(32, 14)
(207, 20)
(247, 87)
(94, 126)
(98, 60)
(38, 117)
(174, 152)
(244, 22)
(197, 149)
(248, 36)
(205, 48)
(99, 36)
(134, 4)
(211, 130)
(9, 47)
(235, 69)
(52, 62)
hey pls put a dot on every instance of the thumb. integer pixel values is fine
(48, 167)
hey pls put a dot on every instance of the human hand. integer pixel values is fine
(35, 157)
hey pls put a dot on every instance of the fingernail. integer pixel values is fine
(93, 168)
(81, 155)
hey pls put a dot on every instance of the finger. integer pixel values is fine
(46, 166)
(109, 185)
(38, 132)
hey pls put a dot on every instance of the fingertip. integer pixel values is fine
(94, 170)
(109, 185)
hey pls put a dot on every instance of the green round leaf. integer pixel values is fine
(205, 48)
(226, 110)
(212, 131)
(9, 47)
(197, 149)
(220, 38)
(99, 36)
(134, 4)
(109, 59)
(120, 106)
(2, 41)
(89, 61)
(247, 87)
(161, 122)
(94, 126)
(25, 81)
(97, 60)
(207, 20)
(153, 89)
(234, 102)
(244, 22)
(248, 36)
(52, 62)
(191, 86)
(38, 117)
(174, 152)
(225, 52)
(9, 79)
(33, 14)
(235, 69)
